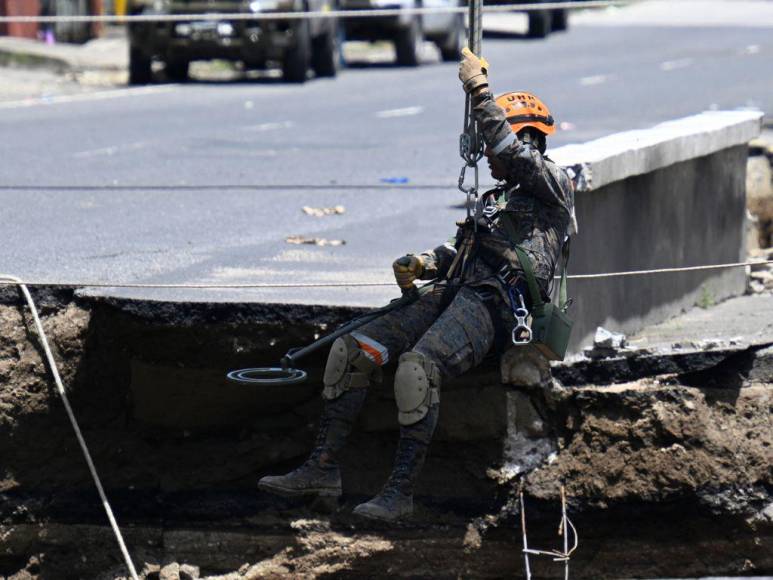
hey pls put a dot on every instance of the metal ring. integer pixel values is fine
(516, 332)
(268, 376)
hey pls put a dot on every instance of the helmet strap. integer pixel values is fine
(534, 138)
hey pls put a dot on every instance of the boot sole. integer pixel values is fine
(289, 492)
(399, 519)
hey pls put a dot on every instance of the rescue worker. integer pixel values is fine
(450, 329)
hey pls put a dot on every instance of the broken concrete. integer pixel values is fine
(759, 190)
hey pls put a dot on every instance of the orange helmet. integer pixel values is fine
(526, 110)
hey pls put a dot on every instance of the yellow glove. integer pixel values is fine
(473, 71)
(408, 269)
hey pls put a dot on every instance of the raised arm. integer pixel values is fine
(523, 161)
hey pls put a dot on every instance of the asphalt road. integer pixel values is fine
(204, 182)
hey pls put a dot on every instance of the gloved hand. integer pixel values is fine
(408, 269)
(473, 71)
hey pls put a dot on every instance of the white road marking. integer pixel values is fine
(111, 150)
(593, 80)
(669, 65)
(405, 112)
(95, 96)
(269, 126)
(749, 50)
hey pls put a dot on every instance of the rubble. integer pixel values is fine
(605, 344)
(759, 187)
(761, 275)
(314, 241)
(323, 211)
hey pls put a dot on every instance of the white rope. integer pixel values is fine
(60, 388)
(269, 285)
(376, 13)
(556, 555)
(669, 270)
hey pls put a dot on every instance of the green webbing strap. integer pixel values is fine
(537, 304)
(536, 296)
(562, 297)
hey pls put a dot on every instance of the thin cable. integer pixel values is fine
(236, 187)
(60, 388)
(669, 270)
(268, 285)
(378, 13)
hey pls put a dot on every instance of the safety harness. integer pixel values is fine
(550, 326)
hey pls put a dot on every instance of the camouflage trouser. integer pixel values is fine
(455, 335)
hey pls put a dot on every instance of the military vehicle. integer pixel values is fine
(296, 45)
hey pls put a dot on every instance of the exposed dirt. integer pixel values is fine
(179, 450)
(656, 441)
(320, 551)
(27, 397)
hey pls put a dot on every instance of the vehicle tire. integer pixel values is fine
(450, 50)
(297, 58)
(140, 72)
(559, 20)
(326, 53)
(408, 43)
(67, 30)
(177, 70)
(539, 23)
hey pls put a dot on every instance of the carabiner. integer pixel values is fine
(473, 189)
(522, 332)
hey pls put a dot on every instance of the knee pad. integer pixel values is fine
(417, 387)
(348, 367)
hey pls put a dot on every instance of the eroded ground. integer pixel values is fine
(671, 463)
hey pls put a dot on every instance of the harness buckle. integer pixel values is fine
(506, 276)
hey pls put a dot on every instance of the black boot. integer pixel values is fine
(319, 475)
(395, 500)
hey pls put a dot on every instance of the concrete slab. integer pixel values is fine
(739, 329)
(630, 153)
(746, 319)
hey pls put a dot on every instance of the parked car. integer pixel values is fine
(408, 31)
(541, 22)
(295, 44)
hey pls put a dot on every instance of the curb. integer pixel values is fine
(31, 60)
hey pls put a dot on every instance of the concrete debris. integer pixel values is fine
(759, 189)
(323, 211)
(606, 344)
(527, 443)
(314, 241)
(708, 344)
(607, 339)
(761, 275)
(762, 366)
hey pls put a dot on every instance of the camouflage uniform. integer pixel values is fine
(450, 329)
(538, 197)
